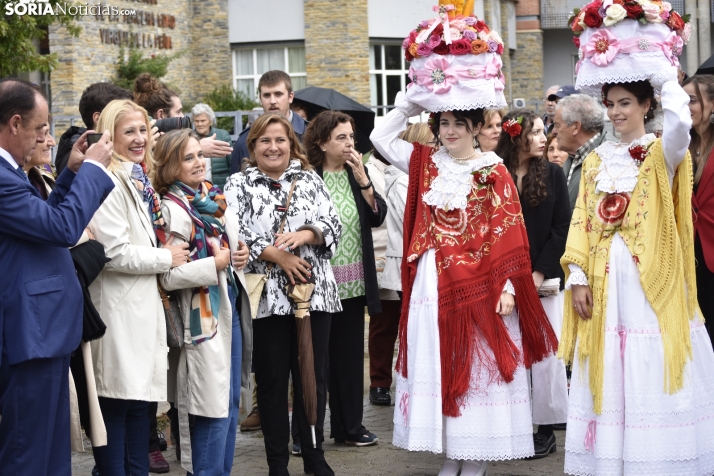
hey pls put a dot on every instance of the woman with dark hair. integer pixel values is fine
(329, 141)
(701, 106)
(472, 303)
(158, 100)
(543, 192)
(553, 152)
(300, 253)
(641, 393)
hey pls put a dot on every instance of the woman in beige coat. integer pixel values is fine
(212, 301)
(130, 360)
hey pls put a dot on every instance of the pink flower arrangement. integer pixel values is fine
(428, 39)
(610, 12)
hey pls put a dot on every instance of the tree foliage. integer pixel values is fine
(131, 65)
(225, 98)
(18, 36)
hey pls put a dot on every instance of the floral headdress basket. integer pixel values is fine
(455, 61)
(627, 40)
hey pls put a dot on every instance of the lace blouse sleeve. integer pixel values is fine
(677, 122)
(385, 136)
(577, 276)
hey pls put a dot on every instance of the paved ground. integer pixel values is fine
(381, 459)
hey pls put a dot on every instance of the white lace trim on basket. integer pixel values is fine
(451, 188)
(577, 276)
(618, 171)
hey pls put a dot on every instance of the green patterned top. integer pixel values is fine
(347, 261)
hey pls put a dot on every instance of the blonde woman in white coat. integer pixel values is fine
(130, 360)
(218, 334)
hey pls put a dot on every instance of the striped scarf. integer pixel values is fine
(150, 197)
(206, 208)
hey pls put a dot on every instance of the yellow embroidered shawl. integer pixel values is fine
(655, 222)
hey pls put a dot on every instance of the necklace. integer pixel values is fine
(613, 180)
(463, 160)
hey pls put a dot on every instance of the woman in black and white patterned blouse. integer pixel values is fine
(258, 195)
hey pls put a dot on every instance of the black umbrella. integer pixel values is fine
(707, 67)
(317, 100)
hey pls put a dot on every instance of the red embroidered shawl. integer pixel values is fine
(477, 250)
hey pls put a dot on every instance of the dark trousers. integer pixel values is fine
(347, 370)
(705, 287)
(383, 330)
(34, 430)
(274, 358)
(153, 431)
(127, 423)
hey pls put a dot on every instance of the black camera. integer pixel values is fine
(173, 123)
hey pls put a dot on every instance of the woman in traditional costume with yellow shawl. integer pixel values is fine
(462, 387)
(642, 393)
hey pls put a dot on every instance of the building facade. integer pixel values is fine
(197, 29)
(355, 47)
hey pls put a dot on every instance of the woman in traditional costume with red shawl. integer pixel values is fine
(642, 395)
(464, 349)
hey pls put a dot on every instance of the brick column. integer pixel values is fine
(527, 62)
(337, 46)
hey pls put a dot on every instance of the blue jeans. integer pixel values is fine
(127, 423)
(213, 440)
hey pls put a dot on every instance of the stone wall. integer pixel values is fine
(197, 28)
(337, 46)
(527, 67)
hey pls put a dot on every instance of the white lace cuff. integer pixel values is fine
(409, 109)
(508, 288)
(577, 276)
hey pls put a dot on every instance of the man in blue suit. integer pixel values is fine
(275, 90)
(41, 300)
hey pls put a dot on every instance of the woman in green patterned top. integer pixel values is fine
(329, 141)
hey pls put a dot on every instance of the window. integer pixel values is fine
(388, 74)
(249, 64)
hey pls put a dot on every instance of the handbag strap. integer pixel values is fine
(285, 213)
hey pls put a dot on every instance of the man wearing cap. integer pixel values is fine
(578, 124)
(549, 105)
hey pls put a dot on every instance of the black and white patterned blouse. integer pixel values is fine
(255, 198)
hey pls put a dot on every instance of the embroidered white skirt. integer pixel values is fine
(642, 430)
(495, 423)
(548, 377)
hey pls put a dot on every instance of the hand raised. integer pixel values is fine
(215, 148)
(100, 152)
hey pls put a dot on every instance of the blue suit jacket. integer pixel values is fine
(240, 148)
(41, 306)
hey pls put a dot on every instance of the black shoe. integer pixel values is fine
(296, 450)
(543, 445)
(278, 472)
(380, 396)
(560, 426)
(319, 468)
(162, 441)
